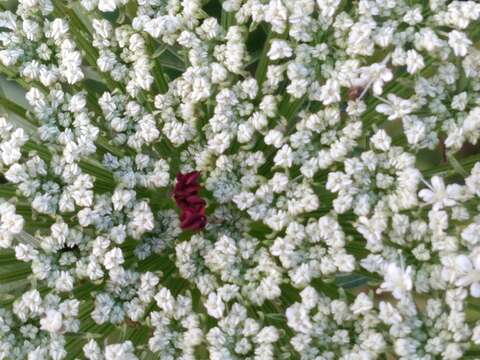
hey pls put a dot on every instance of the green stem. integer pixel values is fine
(158, 72)
(261, 72)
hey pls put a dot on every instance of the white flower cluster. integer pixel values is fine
(312, 251)
(335, 328)
(237, 335)
(176, 327)
(336, 144)
(35, 326)
(240, 265)
(129, 122)
(11, 224)
(131, 65)
(40, 48)
(123, 350)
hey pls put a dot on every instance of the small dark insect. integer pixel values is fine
(68, 248)
(132, 324)
(354, 92)
(443, 150)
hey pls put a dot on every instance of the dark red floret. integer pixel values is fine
(193, 220)
(192, 206)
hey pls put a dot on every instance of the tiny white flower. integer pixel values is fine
(52, 322)
(459, 42)
(284, 157)
(437, 194)
(214, 305)
(107, 5)
(397, 280)
(279, 49)
(381, 140)
(113, 258)
(414, 62)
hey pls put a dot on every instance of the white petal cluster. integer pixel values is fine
(176, 326)
(125, 350)
(36, 325)
(237, 335)
(11, 224)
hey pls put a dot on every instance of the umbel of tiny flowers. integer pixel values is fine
(312, 125)
(192, 206)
